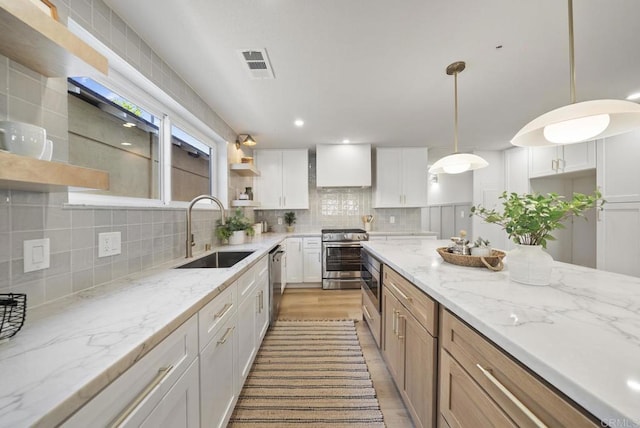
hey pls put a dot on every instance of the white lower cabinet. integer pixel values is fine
(194, 376)
(253, 316)
(162, 382)
(304, 259)
(219, 376)
(180, 407)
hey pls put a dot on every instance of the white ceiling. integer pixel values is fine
(373, 71)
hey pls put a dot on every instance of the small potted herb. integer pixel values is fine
(481, 247)
(235, 229)
(290, 220)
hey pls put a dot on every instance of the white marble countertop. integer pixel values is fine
(414, 233)
(581, 333)
(70, 349)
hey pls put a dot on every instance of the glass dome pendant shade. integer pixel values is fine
(579, 122)
(457, 163)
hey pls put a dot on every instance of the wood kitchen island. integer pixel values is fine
(511, 354)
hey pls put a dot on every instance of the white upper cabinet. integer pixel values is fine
(619, 168)
(515, 170)
(284, 179)
(343, 165)
(401, 177)
(545, 161)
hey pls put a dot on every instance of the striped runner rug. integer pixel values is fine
(311, 374)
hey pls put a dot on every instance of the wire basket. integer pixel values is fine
(13, 308)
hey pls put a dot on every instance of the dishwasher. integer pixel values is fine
(276, 270)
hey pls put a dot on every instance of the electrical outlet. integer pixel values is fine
(461, 214)
(392, 219)
(109, 244)
(279, 220)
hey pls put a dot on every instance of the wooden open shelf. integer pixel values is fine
(245, 169)
(244, 203)
(37, 41)
(24, 173)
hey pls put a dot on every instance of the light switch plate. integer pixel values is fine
(392, 219)
(36, 254)
(109, 244)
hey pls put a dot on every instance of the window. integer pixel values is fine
(190, 166)
(109, 132)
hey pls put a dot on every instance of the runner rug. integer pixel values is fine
(309, 374)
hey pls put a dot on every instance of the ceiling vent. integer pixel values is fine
(257, 63)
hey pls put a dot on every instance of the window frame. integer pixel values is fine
(131, 84)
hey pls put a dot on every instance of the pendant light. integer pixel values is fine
(578, 122)
(457, 162)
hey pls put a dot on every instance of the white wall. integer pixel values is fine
(488, 184)
(451, 189)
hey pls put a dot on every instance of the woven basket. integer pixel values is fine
(492, 262)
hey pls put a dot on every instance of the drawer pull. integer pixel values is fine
(364, 308)
(512, 397)
(223, 311)
(404, 296)
(224, 338)
(159, 377)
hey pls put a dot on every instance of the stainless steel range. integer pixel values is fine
(341, 257)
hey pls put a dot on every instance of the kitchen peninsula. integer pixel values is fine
(581, 334)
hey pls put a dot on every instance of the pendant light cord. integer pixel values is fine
(572, 56)
(455, 112)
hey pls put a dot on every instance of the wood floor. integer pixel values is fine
(318, 304)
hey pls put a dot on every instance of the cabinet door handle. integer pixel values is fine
(224, 338)
(512, 397)
(364, 309)
(223, 311)
(159, 377)
(553, 165)
(261, 300)
(394, 323)
(562, 162)
(401, 336)
(258, 303)
(404, 296)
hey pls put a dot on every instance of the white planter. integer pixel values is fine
(481, 251)
(237, 237)
(529, 264)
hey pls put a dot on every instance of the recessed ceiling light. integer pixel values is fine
(128, 125)
(633, 97)
(125, 144)
(299, 123)
(346, 141)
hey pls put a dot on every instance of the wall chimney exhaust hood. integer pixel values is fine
(343, 165)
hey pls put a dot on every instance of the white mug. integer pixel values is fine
(24, 139)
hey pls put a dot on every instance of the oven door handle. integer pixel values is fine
(343, 245)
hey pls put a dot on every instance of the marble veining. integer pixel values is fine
(70, 349)
(581, 333)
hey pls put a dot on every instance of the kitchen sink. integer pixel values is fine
(219, 259)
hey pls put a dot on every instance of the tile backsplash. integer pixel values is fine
(342, 208)
(149, 238)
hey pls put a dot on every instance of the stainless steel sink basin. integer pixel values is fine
(220, 259)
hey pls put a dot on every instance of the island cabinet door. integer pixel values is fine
(419, 371)
(393, 347)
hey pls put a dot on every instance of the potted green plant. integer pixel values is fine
(290, 220)
(235, 228)
(529, 220)
(481, 247)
